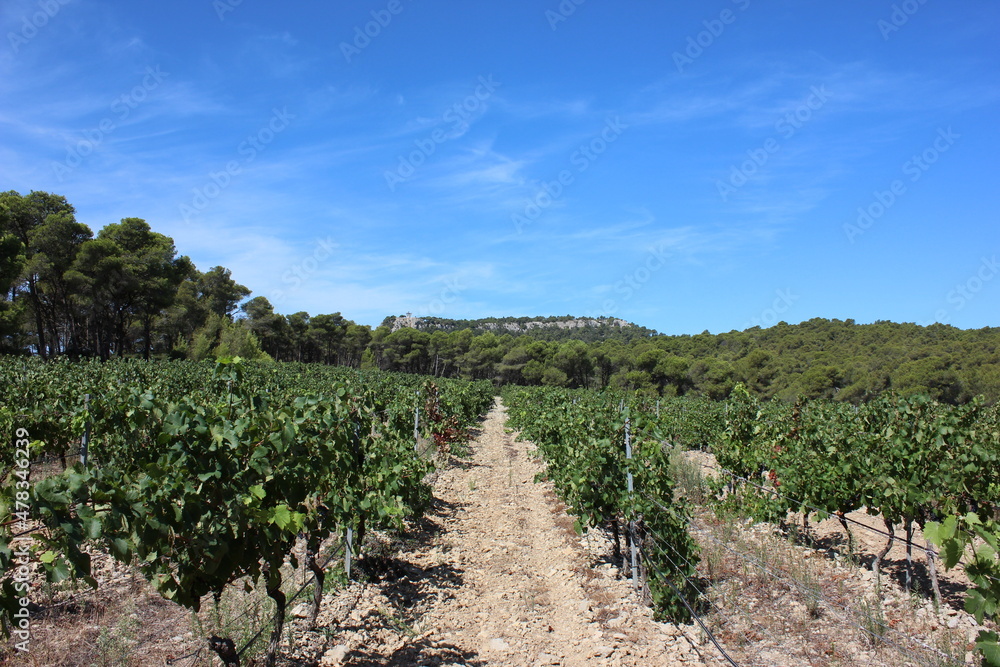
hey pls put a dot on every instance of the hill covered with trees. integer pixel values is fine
(553, 327)
(818, 358)
(126, 292)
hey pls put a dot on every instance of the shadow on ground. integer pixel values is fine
(952, 593)
(423, 652)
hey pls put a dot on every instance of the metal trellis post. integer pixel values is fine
(348, 549)
(631, 522)
(85, 442)
(416, 425)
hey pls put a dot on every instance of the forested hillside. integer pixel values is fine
(818, 358)
(565, 327)
(126, 292)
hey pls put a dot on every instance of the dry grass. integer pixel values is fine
(767, 596)
(779, 599)
(111, 627)
(126, 623)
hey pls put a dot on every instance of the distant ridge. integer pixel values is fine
(564, 327)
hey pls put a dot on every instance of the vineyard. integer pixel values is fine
(916, 464)
(205, 477)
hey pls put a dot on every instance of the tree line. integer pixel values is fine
(125, 291)
(122, 292)
(819, 358)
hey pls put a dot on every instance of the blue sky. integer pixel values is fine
(685, 165)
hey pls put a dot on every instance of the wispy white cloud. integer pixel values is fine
(324, 176)
(542, 106)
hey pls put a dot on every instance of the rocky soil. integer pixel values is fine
(496, 575)
(500, 578)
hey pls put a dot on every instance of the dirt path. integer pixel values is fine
(506, 581)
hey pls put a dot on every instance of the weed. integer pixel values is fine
(689, 478)
(336, 577)
(952, 645)
(461, 449)
(238, 615)
(713, 557)
(871, 617)
(917, 599)
(116, 646)
(397, 623)
(812, 589)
